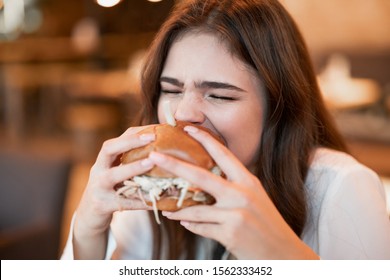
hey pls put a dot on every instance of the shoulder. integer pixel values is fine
(332, 168)
(344, 171)
(333, 173)
(346, 201)
(332, 160)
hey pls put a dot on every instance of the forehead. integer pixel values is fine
(204, 54)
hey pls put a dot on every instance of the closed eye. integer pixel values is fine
(170, 91)
(221, 97)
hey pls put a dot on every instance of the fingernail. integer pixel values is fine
(191, 129)
(146, 162)
(147, 137)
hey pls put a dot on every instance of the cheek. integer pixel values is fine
(160, 113)
(243, 134)
(245, 145)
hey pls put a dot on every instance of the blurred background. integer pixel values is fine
(69, 80)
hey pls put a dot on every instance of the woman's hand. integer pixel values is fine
(243, 219)
(99, 201)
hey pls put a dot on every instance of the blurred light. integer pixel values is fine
(340, 90)
(108, 3)
(13, 15)
(33, 20)
(154, 1)
(86, 36)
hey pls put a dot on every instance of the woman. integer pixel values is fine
(240, 68)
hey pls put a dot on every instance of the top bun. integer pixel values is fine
(173, 141)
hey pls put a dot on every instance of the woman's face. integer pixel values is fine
(207, 86)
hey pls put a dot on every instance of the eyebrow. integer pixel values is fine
(203, 84)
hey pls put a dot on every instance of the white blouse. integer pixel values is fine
(347, 216)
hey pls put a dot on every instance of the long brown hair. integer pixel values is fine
(263, 35)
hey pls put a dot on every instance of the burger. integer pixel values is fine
(160, 188)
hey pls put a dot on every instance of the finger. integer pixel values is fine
(229, 164)
(200, 214)
(207, 230)
(135, 129)
(207, 221)
(112, 148)
(200, 177)
(118, 174)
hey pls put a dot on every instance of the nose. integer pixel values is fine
(189, 109)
